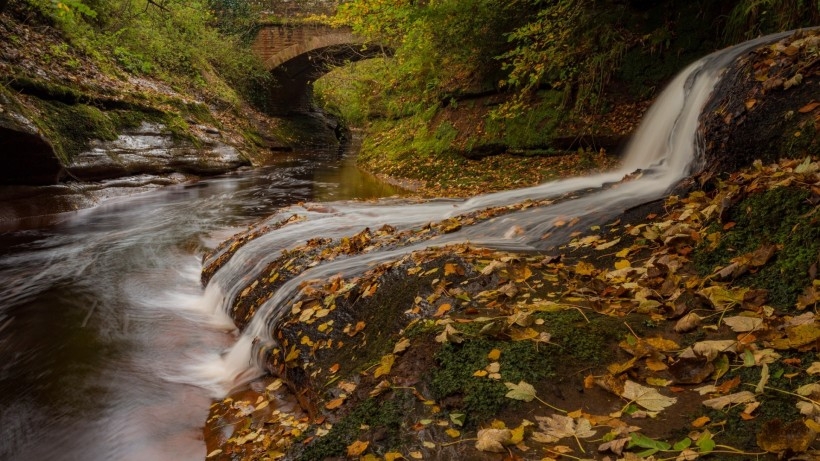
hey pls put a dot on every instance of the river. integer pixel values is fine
(112, 350)
(102, 312)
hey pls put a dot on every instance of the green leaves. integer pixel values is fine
(521, 391)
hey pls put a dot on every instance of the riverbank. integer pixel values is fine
(682, 328)
(78, 126)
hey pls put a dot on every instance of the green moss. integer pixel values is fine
(586, 343)
(740, 433)
(384, 417)
(71, 127)
(483, 397)
(779, 216)
(45, 90)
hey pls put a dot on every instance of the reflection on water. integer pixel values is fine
(98, 309)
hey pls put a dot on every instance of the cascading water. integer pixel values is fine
(663, 149)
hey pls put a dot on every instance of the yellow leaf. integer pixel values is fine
(585, 268)
(335, 403)
(450, 269)
(494, 355)
(663, 344)
(655, 365)
(660, 382)
(480, 373)
(386, 364)
(357, 448)
(293, 354)
(700, 422)
(622, 264)
(401, 346)
(392, 456)
(443, 309)
(525, 334)
(454, 433)
(607, 245)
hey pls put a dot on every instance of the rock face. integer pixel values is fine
(766, 107)
(152, 149)
(27, 156)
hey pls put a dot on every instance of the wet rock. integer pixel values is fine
(152, 149)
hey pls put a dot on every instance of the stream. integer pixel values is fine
(101, 312)
(110, 347)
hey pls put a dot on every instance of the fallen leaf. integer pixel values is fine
(335, 403)
(493, 440)
(646, 397)
(719, 403)
(688, 323)
(401, 346)
(521, 391)
(556, 427)
(494, 354)
(450, 334)
(691, 370)
(700, 422)
(442, 309)
(357, 448)
(776, 437)
(385, 364)
(814, 368)
(615, 446)
(809, 107)
(743, 324)
(711, 349)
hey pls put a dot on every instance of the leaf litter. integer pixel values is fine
(715, 346)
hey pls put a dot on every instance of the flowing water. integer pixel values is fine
(100, 313)
(111, 349)
(664, 150)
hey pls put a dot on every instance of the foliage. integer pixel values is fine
(168, 39)
(571, 45)
(751, 18)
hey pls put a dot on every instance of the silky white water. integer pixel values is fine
(662, 152)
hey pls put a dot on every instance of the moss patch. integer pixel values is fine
(480, 397)
(790, 220)
(369, 419)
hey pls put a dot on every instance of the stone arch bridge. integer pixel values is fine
(297, 54)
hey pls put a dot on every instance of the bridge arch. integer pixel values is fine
(298, 54)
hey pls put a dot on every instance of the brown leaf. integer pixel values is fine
(776, 437)
(493, 440)
(688, 323)
(691, 370)
(809, 107)
(719, 403)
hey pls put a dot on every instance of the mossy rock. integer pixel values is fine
(780, 216)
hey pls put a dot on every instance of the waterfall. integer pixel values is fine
(663, 150)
